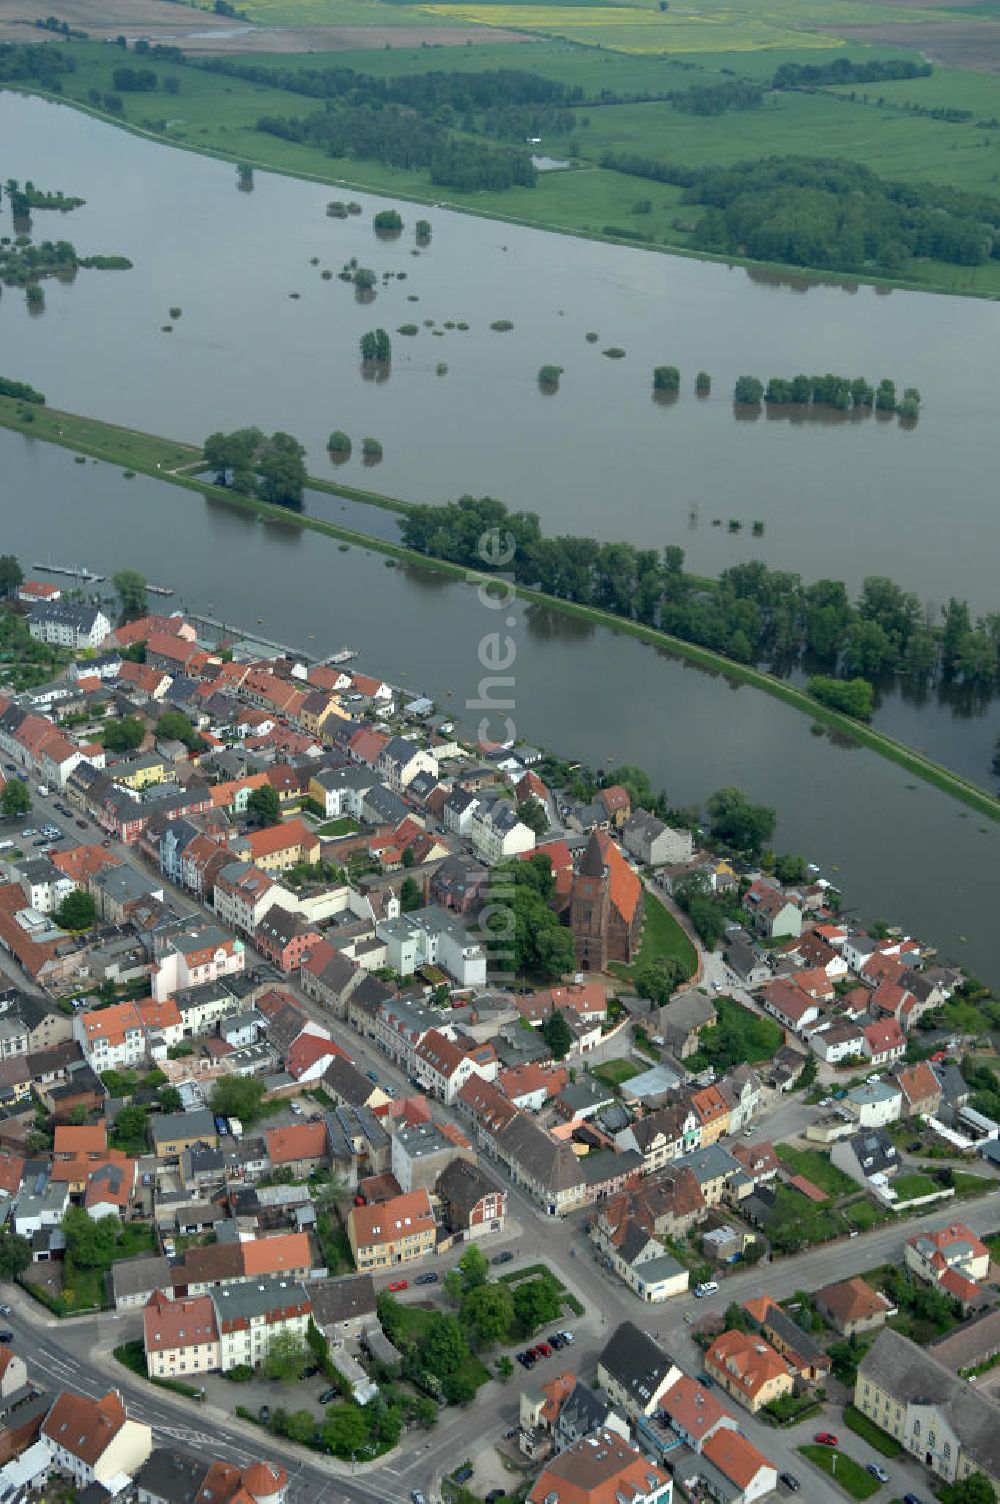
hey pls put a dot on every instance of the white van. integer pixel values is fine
(710, 1287)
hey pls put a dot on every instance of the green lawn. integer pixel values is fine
(345, 826)
(661, 936)
(909, 1187)
(855, 1421)
(614, 1072)
(864, 1214)
(815, 1166)
(848, 1474)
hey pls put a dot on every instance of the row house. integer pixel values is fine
(341, 791)
(181, 1337)
(443, 1065)
(785, 1001)
(197, 956)
(771, 912)
(435, 937)
(252, 1315)
(243, 895)
(398, 1231)
(483, 1105)
(276, 848)
(472, 1204)
(111, 1038)
(400, 761)
(329, 977)
(662, 1136)
(94, 1441)
(497, 833)
(545, 1167)
(286, 938)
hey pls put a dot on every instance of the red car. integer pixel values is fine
(544, 1349)
(825, 1438)
(939, 1055)
(400, 1284)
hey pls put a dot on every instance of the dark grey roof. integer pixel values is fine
(463, 1184)
(136, 1276)
(875, 1151)
(182, 1125)
(583, 1412)
(552, 1164)
(336, 1300)
(257, 1297)
(347, 1082)
(66, 614)
(912, 1375)
(792, 1336)
(171, 1476)
(636, 1360)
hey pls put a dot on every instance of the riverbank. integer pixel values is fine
(164, 460)
(587, 201)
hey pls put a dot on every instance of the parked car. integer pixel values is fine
(327, 1396)
(939, 1055)
(879, 1472)
(264, 1414)
(911, 1499)
(522, 1358)
(556, 1342)
(790, 1481)
(710, 1287)
(462, 1476)
(826, 1439)
(493, 1495)
(544, 1350)
(418, 1497)
(706, 1381)
(310, 1372)
(6, 1311)
(503, 1258)
(567, 1337)
(400, 1284)
(81, 824)
(825, 1102)
(426, 1279)
(6, 1336)
(372, 1076)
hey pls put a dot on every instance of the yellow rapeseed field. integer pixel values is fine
(624, 30)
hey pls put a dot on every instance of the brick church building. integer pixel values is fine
(606, 906)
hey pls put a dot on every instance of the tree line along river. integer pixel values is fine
(901, 850)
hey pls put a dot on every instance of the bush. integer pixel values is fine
(748, 390)
(703, 383)
(549, 376)
(339, 442)
(388, 222)
(666, 379)
(371, 449)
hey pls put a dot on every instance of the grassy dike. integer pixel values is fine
(173, 462)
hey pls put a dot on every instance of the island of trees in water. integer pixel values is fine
(752, 614)
(837, 392)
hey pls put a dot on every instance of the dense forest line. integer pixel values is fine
(504, 103)
(843, 71)
(831, 214)
(753, 614)
(397, 139)
(22, 62)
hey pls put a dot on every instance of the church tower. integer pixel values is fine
(590, 905)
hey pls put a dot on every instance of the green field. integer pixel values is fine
(910, 1187)
(847, 1473)
(815, 1166)
(611, 49)
(614, 1072)
(661, 936)
(859, 1423)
